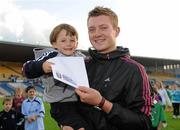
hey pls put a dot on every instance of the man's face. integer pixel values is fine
(102, 35)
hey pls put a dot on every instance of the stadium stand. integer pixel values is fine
(11, 62)
(7, 88)
(3, 92)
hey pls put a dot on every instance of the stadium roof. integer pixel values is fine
(21, 52)
(154, 62)
(17, 52)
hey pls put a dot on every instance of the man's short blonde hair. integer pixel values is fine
(98, 10)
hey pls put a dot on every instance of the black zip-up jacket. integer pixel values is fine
(123, 82)
(10, 120)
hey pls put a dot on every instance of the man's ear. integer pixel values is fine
(76, 45)
(117, 31)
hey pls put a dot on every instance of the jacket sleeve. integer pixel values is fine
(138, 103)
(20, 118)
(33, 68)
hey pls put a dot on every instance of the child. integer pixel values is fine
(17, 102)
(33, 109)
(18, 99)
(157, 111)
(10, 119)
(165, 101)
(175, 92)
(62, 98)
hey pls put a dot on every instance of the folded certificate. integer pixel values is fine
(70, 70)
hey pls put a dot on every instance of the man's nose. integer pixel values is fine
(97, 33)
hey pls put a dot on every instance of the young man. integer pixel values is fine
(119, 85)
(33, 110)
(10, 119)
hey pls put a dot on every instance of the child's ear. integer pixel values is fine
(54, 44)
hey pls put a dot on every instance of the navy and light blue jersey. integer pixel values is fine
(32, 107)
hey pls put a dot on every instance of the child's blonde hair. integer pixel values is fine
(160, 84)
(19, 90)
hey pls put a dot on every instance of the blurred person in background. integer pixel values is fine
(165, 101)
(33, 110)
(163, 93)
(175, 92)
(19, 97)
(168, 90)
(157, 111)
(9, 118)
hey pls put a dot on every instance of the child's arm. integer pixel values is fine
(35, 68)
(20, 118)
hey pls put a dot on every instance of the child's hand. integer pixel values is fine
(30, 120)
(47, 67)
(19, 104)
(34, 117)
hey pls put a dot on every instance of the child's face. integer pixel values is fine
(7, 105)
(65, 44)
(18, 95)
(31, 93)
(157, 85)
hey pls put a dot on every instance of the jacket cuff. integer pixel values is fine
(39, 67)
(113, 112)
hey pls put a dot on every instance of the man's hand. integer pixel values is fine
(93, 97)
(47, 67)
(89, 95)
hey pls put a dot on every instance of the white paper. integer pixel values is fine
(70, 70)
